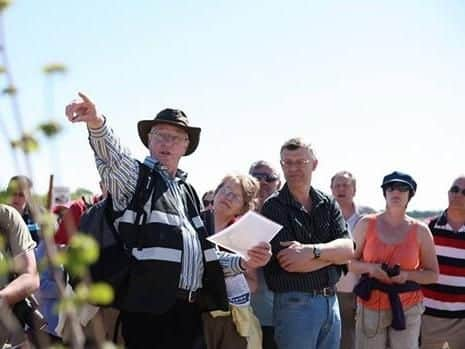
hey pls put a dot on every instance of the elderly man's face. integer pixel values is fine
(167, 144)
(457, 194)
(343, 190)
(298, 166)
(268, 179)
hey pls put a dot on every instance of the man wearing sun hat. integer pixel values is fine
(177, 270)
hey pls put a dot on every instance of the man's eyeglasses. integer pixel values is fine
(297, 163)
(167, 138)
(268, 178)
(456, 189)
(398, 186)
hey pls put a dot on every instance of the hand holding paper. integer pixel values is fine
(247, 233)
(259, 256)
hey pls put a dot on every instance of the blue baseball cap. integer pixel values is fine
(399, 177)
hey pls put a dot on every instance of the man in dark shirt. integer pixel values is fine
(307, 255)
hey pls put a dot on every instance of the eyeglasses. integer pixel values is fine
(297, 163)
(228, 192)
(456, 189)
(397, 186)
(167, 138)
(268, 178)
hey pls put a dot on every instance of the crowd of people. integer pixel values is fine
(336, 275)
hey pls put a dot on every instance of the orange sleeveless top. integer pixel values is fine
(406, 253)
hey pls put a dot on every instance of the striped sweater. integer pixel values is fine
(446, 298)
(119, 171)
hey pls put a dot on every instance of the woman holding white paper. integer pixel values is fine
(237, 328)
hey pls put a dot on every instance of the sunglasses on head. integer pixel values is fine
(398, 186)
(456, 189)
(269, 178)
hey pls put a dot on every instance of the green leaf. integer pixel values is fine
(50, 128)
(4, 4)
(83, 250)
(81, 292)
(54, 68)
(4, 266)
(84, 247)
(29, 144)
(100, 293)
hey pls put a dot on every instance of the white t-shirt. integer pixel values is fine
(348, 281)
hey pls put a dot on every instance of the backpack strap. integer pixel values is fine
(144, 188)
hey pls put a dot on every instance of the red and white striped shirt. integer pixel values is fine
(446, 298)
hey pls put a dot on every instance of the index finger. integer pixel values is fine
(84, 97)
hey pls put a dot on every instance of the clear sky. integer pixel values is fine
(374, 85)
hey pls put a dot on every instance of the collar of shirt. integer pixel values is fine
(155, 164)
(442, 221)
(286, 197)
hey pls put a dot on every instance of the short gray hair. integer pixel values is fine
(297, 143)
(262, 163)
(344, 174)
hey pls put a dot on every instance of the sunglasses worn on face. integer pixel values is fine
(398, 186)
(207, 203)
(456, 189)
(269, 178)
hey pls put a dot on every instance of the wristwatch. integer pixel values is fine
(316, 252)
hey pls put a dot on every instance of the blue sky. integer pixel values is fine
(374, 85)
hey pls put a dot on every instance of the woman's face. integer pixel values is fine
(397, 195)
(229, 199)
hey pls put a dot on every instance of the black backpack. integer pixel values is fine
(114, 262)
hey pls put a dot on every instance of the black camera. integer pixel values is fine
(28, 314)
(391, 271)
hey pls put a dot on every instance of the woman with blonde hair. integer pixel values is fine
(237, 328)
(394, 255)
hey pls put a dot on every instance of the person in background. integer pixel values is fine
(394, 255)
(207, 200)
(444, 317)
(262, 298)
(307, 255)
(343, 188)
(18, 245)
(20, 191)
(268, 177)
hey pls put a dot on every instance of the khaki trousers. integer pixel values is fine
(373, 331)
(442, 333)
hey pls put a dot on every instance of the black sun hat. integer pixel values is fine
(400, 177)
(173, 117)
